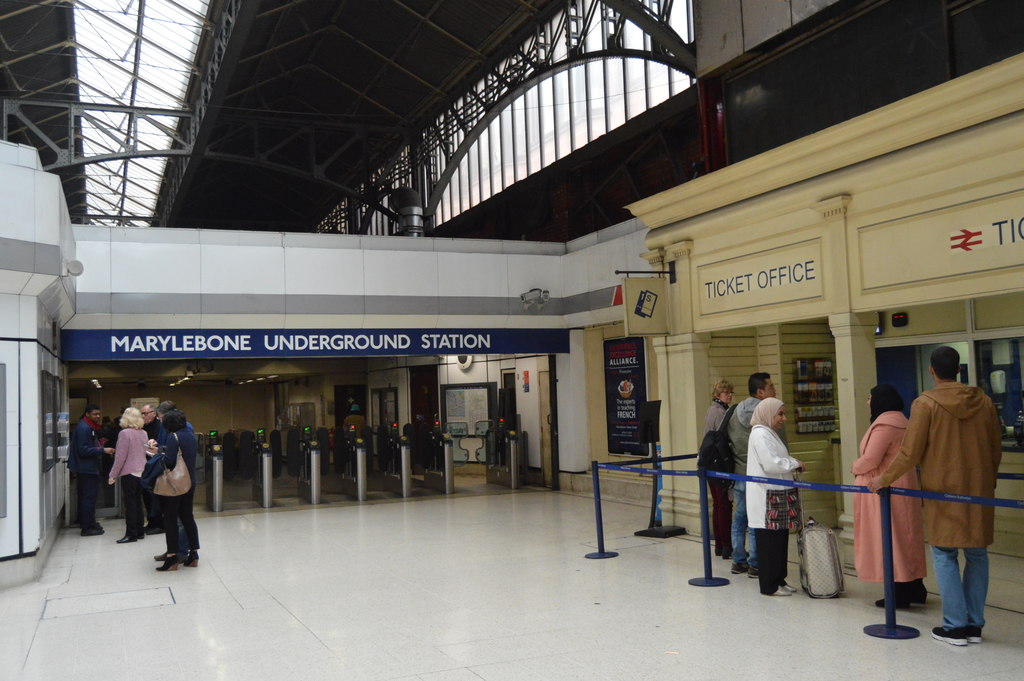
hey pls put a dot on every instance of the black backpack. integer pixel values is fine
(715, 454)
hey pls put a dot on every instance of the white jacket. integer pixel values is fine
(767, 457)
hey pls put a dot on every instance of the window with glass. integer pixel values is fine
(1001, 376)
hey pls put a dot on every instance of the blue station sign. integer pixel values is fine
(115, 344)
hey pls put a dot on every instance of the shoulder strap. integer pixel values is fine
(725, 419)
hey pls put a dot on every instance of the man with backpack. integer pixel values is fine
(760, 386)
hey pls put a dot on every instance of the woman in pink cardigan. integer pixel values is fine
(129, 460)
(878, 448)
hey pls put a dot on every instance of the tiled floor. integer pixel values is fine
(458, 589)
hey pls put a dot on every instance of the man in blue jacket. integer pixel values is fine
(84, 459)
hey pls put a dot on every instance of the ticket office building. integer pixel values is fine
(838, 261)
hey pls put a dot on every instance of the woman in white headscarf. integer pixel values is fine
(772, 509)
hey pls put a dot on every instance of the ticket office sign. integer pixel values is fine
(985, 236)
(787, 274)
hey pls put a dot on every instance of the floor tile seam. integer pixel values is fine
(373, 502)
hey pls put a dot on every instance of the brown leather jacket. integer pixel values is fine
(954, 437)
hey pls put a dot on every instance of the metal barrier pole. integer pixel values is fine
(449, 465)
(406, 468)
(513, 459)
(266, 477)
(360, 470)
(705, 536)
(890, 629)
(215, 480)
(314, 472)
(600, 553)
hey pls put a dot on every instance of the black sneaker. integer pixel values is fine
(954, 637)
(738, 569)
(973, 634)
(753, 572)
(92, 532)
(151, 529)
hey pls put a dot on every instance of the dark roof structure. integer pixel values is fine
(291, 106)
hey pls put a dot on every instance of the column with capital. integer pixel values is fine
(855, 375)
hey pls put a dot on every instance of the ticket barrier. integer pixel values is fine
(395, 459)
(439, 473)
(214, 478)
(263, 481)
(309, 475)
(506, 468)
(201, 447)
(352, 453)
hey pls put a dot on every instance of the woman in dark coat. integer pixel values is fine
(180, 447)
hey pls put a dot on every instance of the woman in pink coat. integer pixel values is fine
(129, 460)
(878, 448)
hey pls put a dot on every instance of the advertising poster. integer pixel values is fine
(625, 385)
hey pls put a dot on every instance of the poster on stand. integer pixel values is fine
(625, 386)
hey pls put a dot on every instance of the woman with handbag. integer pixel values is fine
(772, 510)
(179, 451)
(129, 460)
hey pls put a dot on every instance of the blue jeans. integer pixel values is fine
(740, 530)
(963, 600)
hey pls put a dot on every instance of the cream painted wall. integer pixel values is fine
(922, 320)
(999, 312)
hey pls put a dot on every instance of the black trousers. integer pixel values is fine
(131, 489)
(153, 513)
(88, 488)
(772, 558)
(175, 509)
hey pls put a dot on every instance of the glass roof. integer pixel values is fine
(136, 53)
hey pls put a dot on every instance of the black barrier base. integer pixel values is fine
(662, 532)
(601, 554)
(895, 631)
(708, 581)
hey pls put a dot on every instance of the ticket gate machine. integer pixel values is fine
(309, 474)
(213, 460)
(353, 452)
(263, 481)
(439, 473)
(395, 458)
(507, 467)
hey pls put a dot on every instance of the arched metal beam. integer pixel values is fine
(652, 25)
(500, 105)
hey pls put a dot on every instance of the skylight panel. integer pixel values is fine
(135, 61)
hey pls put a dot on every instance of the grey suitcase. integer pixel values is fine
(821, 568)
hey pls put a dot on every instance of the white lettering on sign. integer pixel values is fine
(295, 342)
(187, 343)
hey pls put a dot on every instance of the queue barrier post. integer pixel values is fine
(890, 629)
(705, 535)
(600, 553)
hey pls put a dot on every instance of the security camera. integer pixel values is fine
(535, 295)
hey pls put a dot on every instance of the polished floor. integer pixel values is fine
(491, 587)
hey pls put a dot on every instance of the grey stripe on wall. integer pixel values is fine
(25, 256)
(246, 303)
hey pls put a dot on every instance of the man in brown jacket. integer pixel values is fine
(954, 436)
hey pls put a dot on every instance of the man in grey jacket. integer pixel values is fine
(760, 386)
